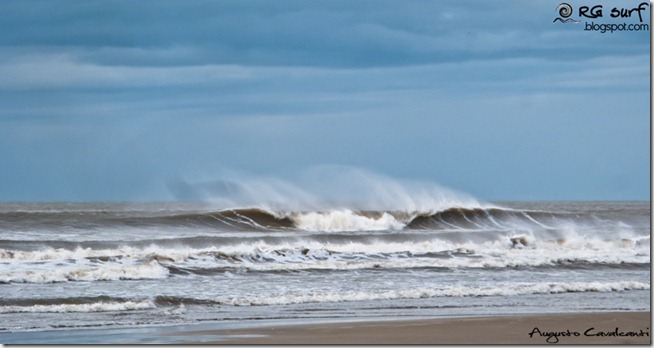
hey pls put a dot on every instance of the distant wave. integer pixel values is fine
(328, 221)
(237, 219)
(350, 220)
(260, 219)
(106, 304)
(257, 219)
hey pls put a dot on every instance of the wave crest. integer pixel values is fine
(345, 220)
(455, 217)
(452, 291)
(83, 307)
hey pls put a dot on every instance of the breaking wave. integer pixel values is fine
(209, 256)
(84, 307)
(352, 237)
(80, 269)
(451, 218)
(119, 304)
(453, 291)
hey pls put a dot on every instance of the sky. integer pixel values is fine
(120, 100)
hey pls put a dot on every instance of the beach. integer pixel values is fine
(562, 328)
(586, 328)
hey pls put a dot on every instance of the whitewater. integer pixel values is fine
(402, 251)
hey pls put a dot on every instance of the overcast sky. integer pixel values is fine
(114, 100)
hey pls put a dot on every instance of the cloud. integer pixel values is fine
(488, 97)
(245, 90)
(61, 70)
(338, 34)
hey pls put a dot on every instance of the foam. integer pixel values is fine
(344, 220)
(152, 262)
(86, 307)
(453, 291)
(47, 273)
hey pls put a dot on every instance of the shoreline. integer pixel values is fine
(577, 328)
(564, 328)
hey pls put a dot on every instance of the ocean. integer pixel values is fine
(110, 265)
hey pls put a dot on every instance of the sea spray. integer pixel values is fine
(323, 188)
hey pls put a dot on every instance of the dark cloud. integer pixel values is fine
(292, 33)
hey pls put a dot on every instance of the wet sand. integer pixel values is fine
(585, 328)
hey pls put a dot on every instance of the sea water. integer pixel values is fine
(109, 265)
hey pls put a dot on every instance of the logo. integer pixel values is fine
(565, 11)
(606, 23)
